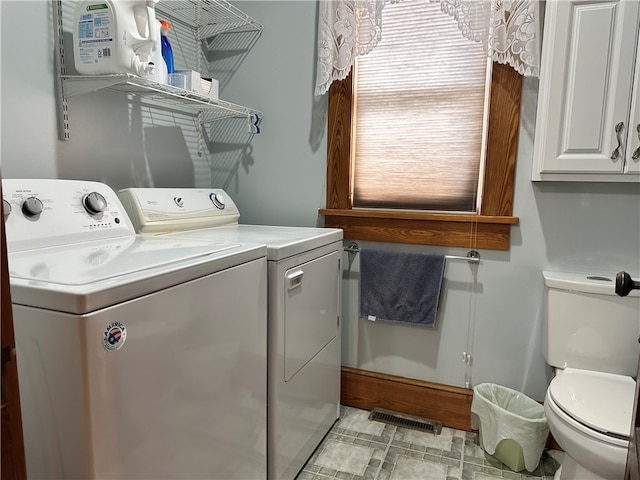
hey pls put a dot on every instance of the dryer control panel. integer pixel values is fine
(168, 210)
(42, 213)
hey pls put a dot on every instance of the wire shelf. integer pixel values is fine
(211, 108)
(209, 17)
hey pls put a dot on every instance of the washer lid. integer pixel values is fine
(601, 401)
(82, 277)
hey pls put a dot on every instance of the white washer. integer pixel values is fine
(138, 357)
(304, 310)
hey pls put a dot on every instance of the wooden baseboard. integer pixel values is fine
(450, 405)
(368, 390)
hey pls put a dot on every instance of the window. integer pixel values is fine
(356, 208)
(419, 114)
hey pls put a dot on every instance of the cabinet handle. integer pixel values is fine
(616, 153)
(636, 153)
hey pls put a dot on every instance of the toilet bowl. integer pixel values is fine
(589, 414)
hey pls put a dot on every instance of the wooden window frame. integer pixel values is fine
(489, 229)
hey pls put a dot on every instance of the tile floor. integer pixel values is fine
(358, 449)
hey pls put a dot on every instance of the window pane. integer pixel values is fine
(419, 112)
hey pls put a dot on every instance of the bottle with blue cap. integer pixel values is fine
(167, 52)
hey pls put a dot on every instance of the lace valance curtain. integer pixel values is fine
(509, 30)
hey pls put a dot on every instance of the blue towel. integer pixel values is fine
(400, 287)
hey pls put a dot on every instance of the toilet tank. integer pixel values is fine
(590, 327)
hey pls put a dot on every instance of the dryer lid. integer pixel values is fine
(599, 400)
(281, 242)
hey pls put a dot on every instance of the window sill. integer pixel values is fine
(452, 230)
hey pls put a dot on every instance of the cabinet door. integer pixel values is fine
(13, 466)
(633, 142)
(586, 81)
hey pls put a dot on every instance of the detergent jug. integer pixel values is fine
(115, 36)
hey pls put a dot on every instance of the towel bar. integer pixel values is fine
(473, 256)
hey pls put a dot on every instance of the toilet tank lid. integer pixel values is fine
(583, 282)
(602, 401)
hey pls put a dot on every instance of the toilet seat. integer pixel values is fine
(599, 401)
(587, 452)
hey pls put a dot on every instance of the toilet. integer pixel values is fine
(592, 345)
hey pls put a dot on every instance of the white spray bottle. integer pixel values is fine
(160, 73)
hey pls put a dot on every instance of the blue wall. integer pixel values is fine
(492, 311)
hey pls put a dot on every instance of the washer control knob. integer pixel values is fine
(6, 206)
(218, 200)
(94, 203)
(32, 207)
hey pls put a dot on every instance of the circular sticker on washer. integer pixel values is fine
(114, 336)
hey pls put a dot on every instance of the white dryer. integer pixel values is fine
(304, 310)
(138, 357)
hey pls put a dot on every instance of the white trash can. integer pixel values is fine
(512, 427)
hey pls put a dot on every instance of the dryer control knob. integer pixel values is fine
(218, 200)
(94, 203)
(32, 207)
(6, 209)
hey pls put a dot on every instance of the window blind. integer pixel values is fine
(419, 112)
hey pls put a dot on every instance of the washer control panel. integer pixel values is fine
(165, 210)
(47, 212)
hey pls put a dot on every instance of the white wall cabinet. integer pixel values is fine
(588, 119)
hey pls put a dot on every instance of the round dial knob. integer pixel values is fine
(94, 203)
(32, 207)
(6, 208)
(218, 200)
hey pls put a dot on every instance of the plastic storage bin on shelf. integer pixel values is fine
(512, 427)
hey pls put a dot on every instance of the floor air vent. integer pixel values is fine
(406, 421)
